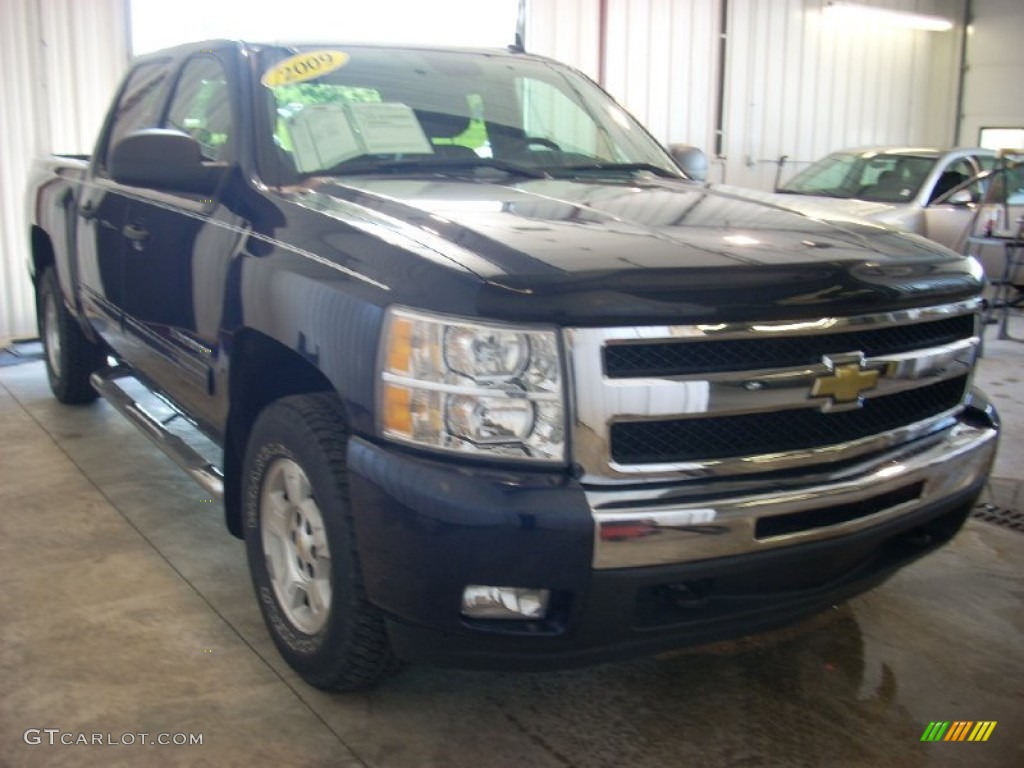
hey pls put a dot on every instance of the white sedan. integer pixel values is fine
(930, 192)
(901, 187)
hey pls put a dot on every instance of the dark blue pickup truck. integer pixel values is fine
(493, 382)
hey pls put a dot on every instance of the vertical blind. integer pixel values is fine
(61, 61)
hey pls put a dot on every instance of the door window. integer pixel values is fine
(139, 104)
(955, 174)
(201, 107)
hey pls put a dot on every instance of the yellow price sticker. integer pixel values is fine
(304, 66)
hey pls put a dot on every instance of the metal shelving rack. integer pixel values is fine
(1002, 233)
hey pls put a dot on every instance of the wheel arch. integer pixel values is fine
(43, 254)
(262, 370)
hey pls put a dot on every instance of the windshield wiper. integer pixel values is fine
(657, 170)
(363, 165)
(814, 193)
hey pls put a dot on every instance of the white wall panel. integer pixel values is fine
(994, 87)
(661, 64)
(62, 60)
(798, 83)
(566, 30)
(660, 57)
(18, 115)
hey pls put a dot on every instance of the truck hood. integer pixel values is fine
(659, 250)
(833, 209)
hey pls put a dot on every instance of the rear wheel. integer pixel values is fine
(302, 550)
(70, 357)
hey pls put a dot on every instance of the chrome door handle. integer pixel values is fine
(132, 232)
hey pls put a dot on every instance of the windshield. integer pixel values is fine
(386, 110)
(880, 178)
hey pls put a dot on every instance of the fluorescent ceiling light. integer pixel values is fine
(870, 13)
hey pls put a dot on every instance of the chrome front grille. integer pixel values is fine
(705, 401)
(694, 439)
(680, 358)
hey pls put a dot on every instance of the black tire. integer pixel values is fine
(342, 648)
(70, 357)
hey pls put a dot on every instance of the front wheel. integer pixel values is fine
(301, 547)
(70, 357)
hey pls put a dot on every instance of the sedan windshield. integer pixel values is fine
(388, 111)
(880, 178)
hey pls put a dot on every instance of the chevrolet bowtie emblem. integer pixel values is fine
(845, 384)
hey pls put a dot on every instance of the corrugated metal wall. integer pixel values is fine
(661, 62)
(800, 84)
(567, 30)
(659, 56)
(994, 85)
(795, 83)
(62, 60)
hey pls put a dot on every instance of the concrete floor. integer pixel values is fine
(125, 608)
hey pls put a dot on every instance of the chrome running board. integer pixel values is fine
(208, 476)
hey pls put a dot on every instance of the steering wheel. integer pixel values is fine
(540, 141)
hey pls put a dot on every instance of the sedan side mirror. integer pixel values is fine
(691, 160)
(960, 198)
(157, 158)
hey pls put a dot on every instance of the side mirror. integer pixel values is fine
(960, 198)
(691, 160)
(157, 158)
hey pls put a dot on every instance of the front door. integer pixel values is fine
(177, 251)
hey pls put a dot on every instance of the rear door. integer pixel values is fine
(103, 205)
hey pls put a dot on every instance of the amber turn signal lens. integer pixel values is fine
(397, 409)
(400, 345)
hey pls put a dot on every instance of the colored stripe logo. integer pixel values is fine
(958, 730)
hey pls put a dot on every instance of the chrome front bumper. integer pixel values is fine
(659, 526)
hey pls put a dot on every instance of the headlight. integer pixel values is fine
(471, 387)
